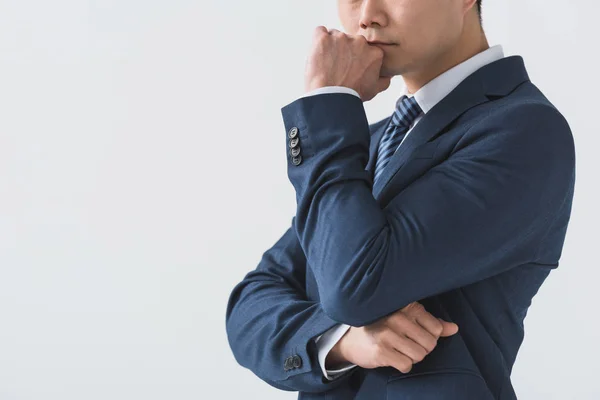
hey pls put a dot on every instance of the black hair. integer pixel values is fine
(479, 10)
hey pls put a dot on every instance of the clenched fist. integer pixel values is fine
(338, 59)
(399, 340)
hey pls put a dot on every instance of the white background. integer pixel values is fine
(143, 174)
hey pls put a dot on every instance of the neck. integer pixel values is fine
(471, 44)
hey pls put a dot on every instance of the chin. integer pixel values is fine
(389, 71)
(397, 68)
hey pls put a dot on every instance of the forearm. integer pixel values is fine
(271, 324)
(445, 230)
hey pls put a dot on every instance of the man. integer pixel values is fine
(419, 241)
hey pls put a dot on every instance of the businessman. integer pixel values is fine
(419, 241)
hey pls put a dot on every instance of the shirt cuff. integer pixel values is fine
(331, 89)
(325, 343)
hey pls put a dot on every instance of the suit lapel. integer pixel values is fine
(496, 79)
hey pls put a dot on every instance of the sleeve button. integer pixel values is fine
(288, 363)
(294, 142)
(297, 361)
(293, 132)
(297, 160)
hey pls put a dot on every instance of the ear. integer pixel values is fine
(469, 5)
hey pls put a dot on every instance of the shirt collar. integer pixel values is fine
(439, 87)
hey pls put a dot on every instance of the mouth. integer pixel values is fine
(377, 43)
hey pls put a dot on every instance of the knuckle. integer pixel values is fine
(438, 329)
(322, 32)
(430, 346)
(414, 306)
(420, 355)
(390, 318)
(392, 323)
(400, 325)
(399, 318)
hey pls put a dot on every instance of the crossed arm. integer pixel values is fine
(477, 214)
(270, 318)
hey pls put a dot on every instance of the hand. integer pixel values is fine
(399, 340)
(338, 59)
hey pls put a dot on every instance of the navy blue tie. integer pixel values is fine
(407, 110)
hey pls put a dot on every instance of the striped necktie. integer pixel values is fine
(407, 110)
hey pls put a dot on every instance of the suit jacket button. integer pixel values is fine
(294, 142)
(297, 361)
(293, 132)
(289, 364)
(295, 151)
(297, 160)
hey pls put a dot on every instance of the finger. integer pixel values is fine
(414, 331)
(406, 346)
(449, 328)
(393, 358)
(433, 324)
(436, 326)
(319, 30)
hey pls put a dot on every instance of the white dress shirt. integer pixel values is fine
(427, 97)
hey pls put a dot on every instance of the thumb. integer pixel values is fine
(450, 328)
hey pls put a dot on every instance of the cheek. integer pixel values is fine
(349, 17)
(425, 23)
(425, 40)
(351, 26)
(445, 28)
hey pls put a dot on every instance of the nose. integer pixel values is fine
(372, 14)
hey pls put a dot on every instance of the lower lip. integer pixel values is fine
(382, 44)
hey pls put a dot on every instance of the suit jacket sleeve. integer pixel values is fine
(480, 212)
(269, 318)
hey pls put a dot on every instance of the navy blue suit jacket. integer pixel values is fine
(468, 218)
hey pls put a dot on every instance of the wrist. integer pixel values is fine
(316, 83)
(335, 358)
